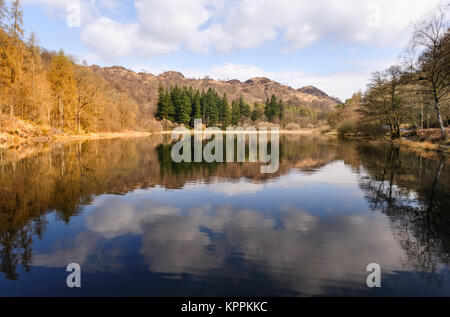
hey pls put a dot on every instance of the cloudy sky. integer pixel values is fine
(332, 44)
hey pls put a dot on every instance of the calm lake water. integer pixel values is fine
(140, 225)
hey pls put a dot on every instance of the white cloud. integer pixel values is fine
(341, 84)
(110, 40)
(208, 26)
(218, 25)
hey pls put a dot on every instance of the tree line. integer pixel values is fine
(183, 105)
(413, 94)
(51, 88)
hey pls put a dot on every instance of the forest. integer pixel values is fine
(411, 96)
(183, 105)
(53, 90)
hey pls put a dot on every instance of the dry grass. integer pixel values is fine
(427, 135)
(14, 131)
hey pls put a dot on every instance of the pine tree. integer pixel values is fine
(203, 105)
(235, 112)
(226, 112)
(176, 97)
(196, 108)
(244, 108)
(161, 110)
(184, 115)
(272, 108)
(168, 104)
(212, 111)
(257, 112)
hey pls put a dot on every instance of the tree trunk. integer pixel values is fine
(395, 132)
(78, 120)
(441, 123)
(61, 112)
(421, 117)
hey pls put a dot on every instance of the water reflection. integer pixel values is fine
(131, 217)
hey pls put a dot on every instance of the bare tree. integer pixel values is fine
(431, 39)
(383, 102)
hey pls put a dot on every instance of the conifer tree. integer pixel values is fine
(176, 98)
(257, 112)
(212, 111)
(196, 108)
(235, 112)
(161, 110)
(184, 115)
(244, 108)
(168, 104)
(226, 112)
(272, 109)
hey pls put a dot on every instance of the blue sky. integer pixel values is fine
(331, 44)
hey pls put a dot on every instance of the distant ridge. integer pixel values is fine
(144, 87)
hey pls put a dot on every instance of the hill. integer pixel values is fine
(143, 87)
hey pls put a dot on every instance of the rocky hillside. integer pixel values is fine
(144, 88)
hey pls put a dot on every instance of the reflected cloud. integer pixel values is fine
(115, 217)
(86, 250)
(242, 187)
(297, 250)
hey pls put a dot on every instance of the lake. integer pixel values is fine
(139, 224)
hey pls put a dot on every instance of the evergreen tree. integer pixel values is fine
(256, 113)
(184, 115)
(196, 107)
(226, 112)
(272, 109)
(235, 112)
(176, 98)
(161, 110)
(168, 104)
(212, 111)
(165, 109)
(203, 105)
(244, 108)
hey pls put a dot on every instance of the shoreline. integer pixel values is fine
(416, 146)
(8, 140)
